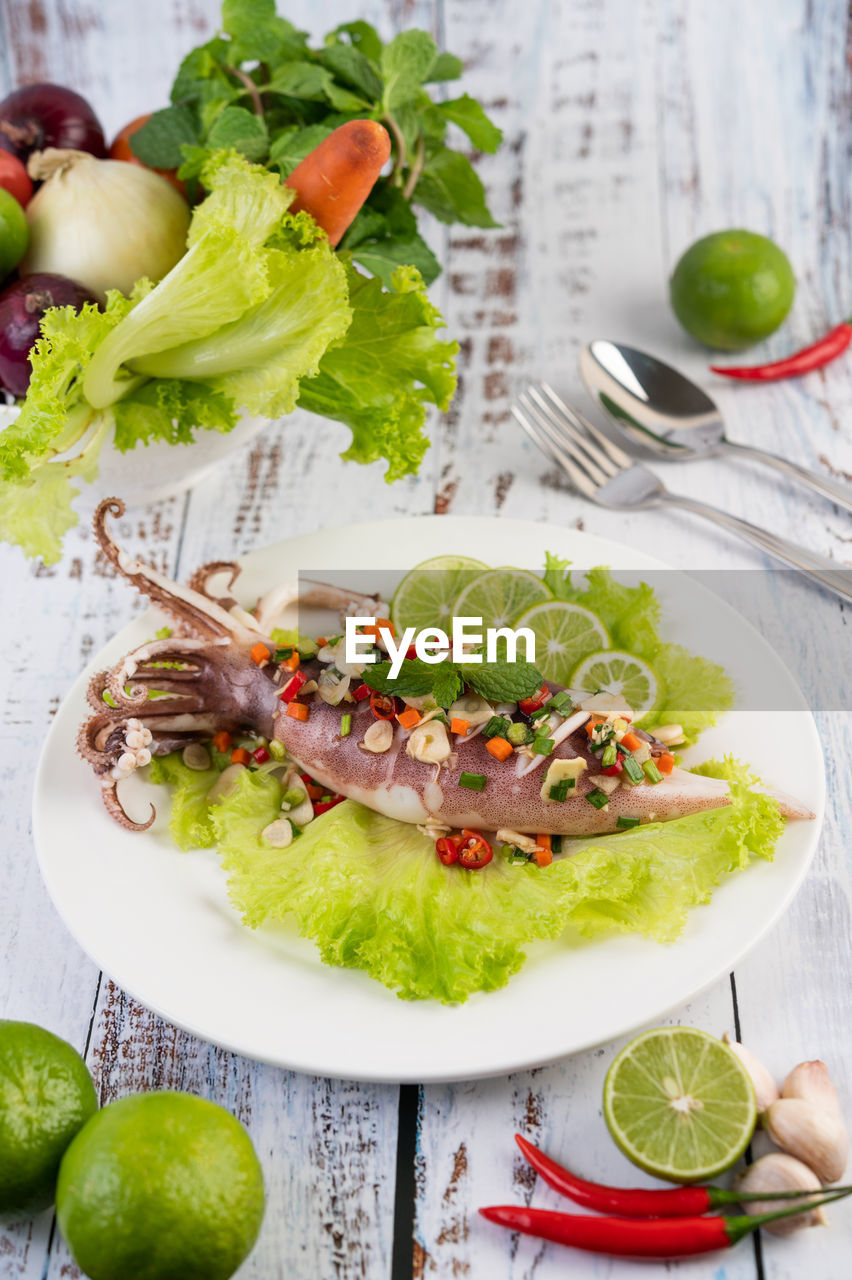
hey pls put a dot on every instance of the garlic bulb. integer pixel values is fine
(765, 1088)
(816, 1134)
(779, 1172)
(103, 223)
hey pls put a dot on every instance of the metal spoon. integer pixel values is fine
(659, 408)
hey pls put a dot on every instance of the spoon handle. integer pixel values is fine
(828, 573)
(835, 490)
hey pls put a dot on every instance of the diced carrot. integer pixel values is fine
(321, 642)
(291, 663)
(592, 724)
(665, 762)
(260, 654)
(543, 840)
(631, 742)
(459, 726)
(334, 180)
(409, 717)
(499, 748)
(298, 710)
(222, 741)
(543, 857)
(239, 755)
(385, 624)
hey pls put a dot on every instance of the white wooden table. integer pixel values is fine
(632, 127)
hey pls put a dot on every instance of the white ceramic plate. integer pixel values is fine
(158, 921)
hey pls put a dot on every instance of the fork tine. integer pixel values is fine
(618, 456)
(534, 428)
(600, 467)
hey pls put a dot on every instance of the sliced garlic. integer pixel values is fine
(671, 734)
(558, 771)
(278, 834)
(429, 743)
(196, 756)
(765, 1088)
(607, 783)
(472, 708)
(779, 1172)
(815, 1134)
(333, 689)
(527, 844)
(378, 737)
(225, 783)
(606, 704)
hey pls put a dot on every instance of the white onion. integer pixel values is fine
(103, 223)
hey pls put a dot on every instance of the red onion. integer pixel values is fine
(48, 115)
(22, 306)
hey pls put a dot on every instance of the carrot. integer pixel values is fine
(499, 748)
(222, 741)
(260, 654)
(543, 857)
(665, 762)
(334, 180)
(298, 710)
(291, 663)
(459, 726)
(239, 755)
(592, 724)
(631, 742)
(409, 718)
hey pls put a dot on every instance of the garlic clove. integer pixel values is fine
(765, 1088)
(815, 1134)
(780, 1172)
(811, 1082)
(378, 737)
(225, 783)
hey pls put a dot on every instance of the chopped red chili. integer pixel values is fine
(447, 850)
(382, 705)
(293, 686)
(474, 850)
(528, 705)
(363, 691)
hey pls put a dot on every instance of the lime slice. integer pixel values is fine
(679, 1104)
(623, 674)
(500, 596)
(426, 595)
(564, 634)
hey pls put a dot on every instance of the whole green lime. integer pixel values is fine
(46, 1096)
(14, 233)
(732, 289)
(160, 1186)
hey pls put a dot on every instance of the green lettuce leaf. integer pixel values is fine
(190, 822)
(389, 365)
(172, 410)
(372, 895)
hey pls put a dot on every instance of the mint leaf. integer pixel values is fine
(202, 76)
(445, 67)
(259, 35)
(354, 69)
(381, 257)
(239, 130)
(290, 146)
(469, 116)
(364, 38)
(406, 62)
(450, 188)
(300, 80)
(158, 143)
(503, 681)
(414, 680)
(448, 684)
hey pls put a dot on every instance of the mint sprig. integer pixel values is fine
(259, 88)
(494, 681)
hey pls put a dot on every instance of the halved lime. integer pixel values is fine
(500, 596)
(426, 595)
(621, 673)
(564, 634)
(679, 1104)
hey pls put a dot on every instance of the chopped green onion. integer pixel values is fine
(497, 727)
(276, 749)
(560, 789)
(297, 831)
(651, 771)
(541, 711)
(559, 701)
(473, 781)
(542, 746)
(609, 756)
(633, 769)
(556, 844)
(293, 796)
(624, 824)
(518, 734)
(345, 725)
(599, 799)
(281, 655)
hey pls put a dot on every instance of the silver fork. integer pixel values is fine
(605, 474)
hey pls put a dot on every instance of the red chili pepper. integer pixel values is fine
(261, 755)
(816, 356)
(612, 770)
(363, 691)
(638, 1237)
(323, 806)
(474, 850)
(293, 686)
(382, 705)
(447, 850)
(528, 705)
(411, 651)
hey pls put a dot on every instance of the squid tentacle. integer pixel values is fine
(155, 650)
(116, 810)
(199, 580)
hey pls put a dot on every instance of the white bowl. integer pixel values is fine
(155, 471)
